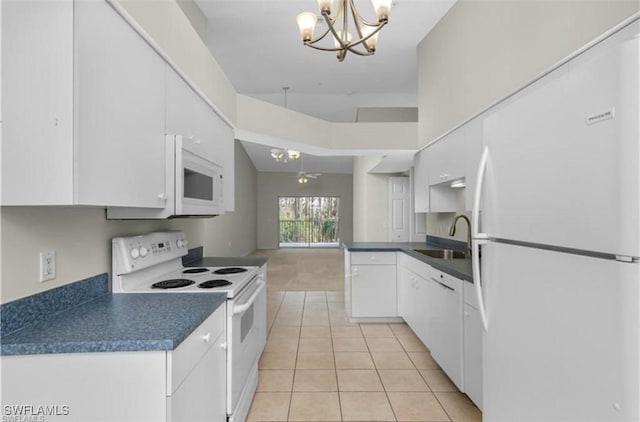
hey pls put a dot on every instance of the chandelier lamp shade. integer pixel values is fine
(349, 31)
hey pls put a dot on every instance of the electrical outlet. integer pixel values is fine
(47, 265)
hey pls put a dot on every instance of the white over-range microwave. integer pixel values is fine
(193, 185)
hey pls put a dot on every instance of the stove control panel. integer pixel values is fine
(138, 252)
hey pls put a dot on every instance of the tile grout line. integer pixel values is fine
(386, 393)
(335, 365)
(422, 376)
(331, 338)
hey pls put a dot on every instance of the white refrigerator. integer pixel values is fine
(557, 243)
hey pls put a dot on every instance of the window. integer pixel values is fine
(309, 221)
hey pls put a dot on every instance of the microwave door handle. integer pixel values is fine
(238, 309)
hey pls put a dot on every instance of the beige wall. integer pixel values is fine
(193, 12)
(273, 185)
(81, 237)
(235, 233)
(370, 201)
(256, 116)
(387, 114)
(483, 50)
(165, 22)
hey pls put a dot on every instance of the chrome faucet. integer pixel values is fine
(452, 231)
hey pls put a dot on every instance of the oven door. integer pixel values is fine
(246, 337)
(198, 182)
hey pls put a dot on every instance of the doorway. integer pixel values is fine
(309, 221)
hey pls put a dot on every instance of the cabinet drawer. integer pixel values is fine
(182, 360)
(373, 258)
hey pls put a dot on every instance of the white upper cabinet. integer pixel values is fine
(180, 108)
(208, 135)
(421, 182)
(119, 111)
(83, 96)
(37, 102)
(218, 138)
(451, 159)
(87, 102)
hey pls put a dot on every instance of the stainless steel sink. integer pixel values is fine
(442, 253)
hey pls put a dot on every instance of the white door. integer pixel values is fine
(562, 163)
(399, 209)
(562, 339)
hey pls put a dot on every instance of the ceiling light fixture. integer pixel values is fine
(366, 33)
(284, 155)
(303, 176)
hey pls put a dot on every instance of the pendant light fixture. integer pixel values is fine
(282, 154)
(362, 39)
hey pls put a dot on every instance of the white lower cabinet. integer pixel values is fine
(187, 402)
(412, 293)
(472, 346)
(186, 384)
(373, 292)
(444, 323)
(442, 311)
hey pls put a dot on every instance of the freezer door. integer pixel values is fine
(563, 159)
(562, 339)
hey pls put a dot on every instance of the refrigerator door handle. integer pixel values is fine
(477, 196)
(478, 237)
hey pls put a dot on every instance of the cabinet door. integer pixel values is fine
(217, 140)
(454, 157)
(37, 102)
(119, 110)
(373, 291)
(421, 182)
(97, 387)
(420, 307)
(404, 289)
(180, 106)
(473, 354)
(202, 395)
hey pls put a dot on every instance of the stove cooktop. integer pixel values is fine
(229, 280)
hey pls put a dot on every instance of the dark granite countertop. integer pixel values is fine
(116, 322)
(460, 268)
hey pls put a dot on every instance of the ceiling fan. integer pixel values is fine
(303, 177)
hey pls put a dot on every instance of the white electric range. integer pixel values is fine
(152, 263)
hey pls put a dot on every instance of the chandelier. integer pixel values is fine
(366, 33)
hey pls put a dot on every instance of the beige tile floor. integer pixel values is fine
(317, 366)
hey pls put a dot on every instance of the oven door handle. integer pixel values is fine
(238, 309)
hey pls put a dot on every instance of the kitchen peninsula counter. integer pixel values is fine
(460, 268)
